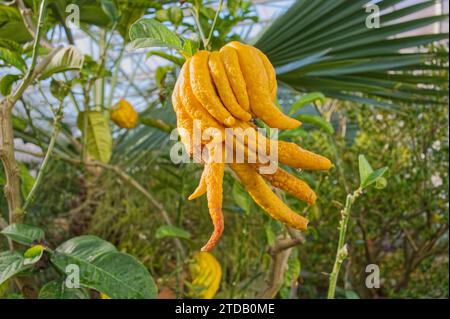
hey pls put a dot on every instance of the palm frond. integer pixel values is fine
(326, 46)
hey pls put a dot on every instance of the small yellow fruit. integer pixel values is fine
(124, 115)
(206, 274)
(104, 296)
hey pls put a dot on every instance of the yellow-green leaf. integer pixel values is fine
(96, 134)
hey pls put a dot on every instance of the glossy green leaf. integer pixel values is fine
(307, 99)
(109, 7)
(365, 169)
(33, 254)
(316, 120)
(11, 263)
(57, 289)
(146, 33)
(23, 234)
(6, 83)
(12, 58)
(374, 177)
(104, 269)
(171, 231)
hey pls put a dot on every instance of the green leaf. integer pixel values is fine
(6, 83)
(316, 120)
(57, 289)
(160, 74)
(23, 234)
(233, 6)
(350, 294)
(11, 45)
(98, 134)
(27, 181)
(365, 169)
(173, 58)
(335, 34)
(381, 183)
(109, 7)
(19, 123)
(162, 15)
(104, 269)
(171, 231)
(3, 288)
(66, 59)
(59, 89)
(175, 15)
(11, 263)
(190, 47)
(374, 177)
(306, 100)
(146, 33)
(33, 254)
(13, 58)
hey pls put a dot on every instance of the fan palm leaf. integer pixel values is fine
(326, 46)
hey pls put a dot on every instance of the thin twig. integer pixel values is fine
(199, 27)
(56, 128)
(342, 252)
(26, 16)
(280, 253)
(208, 41)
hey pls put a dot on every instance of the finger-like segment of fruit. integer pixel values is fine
(264, 197)
(230, 61)
(291, 184)
(192, 105)
(270, 71)
(214, 180)
(224, 89)
(294, 156)
(206, 272)
(184, 121)
(204, 91)
(261, 103)
(201, 188)
(289, 153)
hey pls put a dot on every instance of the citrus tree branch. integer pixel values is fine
(342, 252)
(280, 252)
(28, 21)
(7, 156)
(51, 145)
(208, 41)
